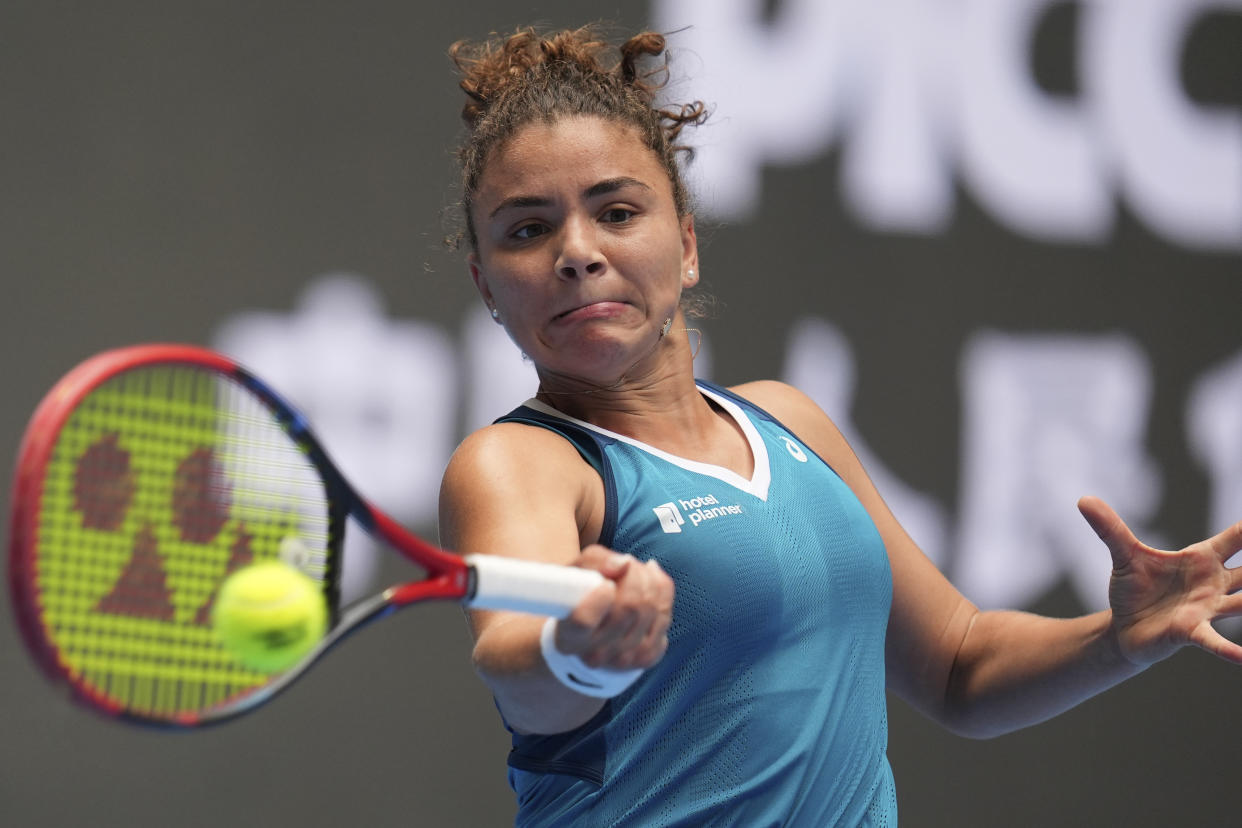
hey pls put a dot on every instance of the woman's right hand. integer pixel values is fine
(623, 623)
(525, 492)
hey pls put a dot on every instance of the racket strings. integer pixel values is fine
(164, 480)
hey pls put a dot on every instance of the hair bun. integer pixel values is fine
(512, 80)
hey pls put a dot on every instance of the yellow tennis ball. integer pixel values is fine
(270, 615)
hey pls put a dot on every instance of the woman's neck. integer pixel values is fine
(656, 399)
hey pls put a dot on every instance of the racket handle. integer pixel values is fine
(528, 586)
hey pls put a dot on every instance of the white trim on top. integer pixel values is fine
(761, 477)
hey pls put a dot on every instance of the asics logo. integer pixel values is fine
(795, 450)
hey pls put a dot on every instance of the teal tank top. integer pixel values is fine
(769, 707)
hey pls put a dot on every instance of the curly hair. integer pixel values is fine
(514, 80)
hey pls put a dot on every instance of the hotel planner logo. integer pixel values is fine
(696, 509)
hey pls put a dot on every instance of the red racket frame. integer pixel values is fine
(448, 576)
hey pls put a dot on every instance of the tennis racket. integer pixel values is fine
(150, 473)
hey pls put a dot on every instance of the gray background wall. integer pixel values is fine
(165, 166)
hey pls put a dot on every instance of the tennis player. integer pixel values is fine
(760, 596)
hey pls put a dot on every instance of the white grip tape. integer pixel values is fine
(574, 673)
(529, 586)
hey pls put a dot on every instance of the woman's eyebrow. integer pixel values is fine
(520, 201)
(608, 185)
(611, 185)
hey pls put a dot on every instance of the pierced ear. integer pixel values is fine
(689, 252)
(479, 279)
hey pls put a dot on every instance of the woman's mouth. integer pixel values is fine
(605, 309)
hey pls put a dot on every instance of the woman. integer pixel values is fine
(755, 696)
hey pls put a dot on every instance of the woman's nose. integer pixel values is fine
(580, 253)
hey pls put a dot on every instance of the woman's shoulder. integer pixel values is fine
(513, 445)
(781, 400)
(799, 414)
(514, 474)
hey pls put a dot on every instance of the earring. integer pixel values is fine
(690, 272)
(496, 316)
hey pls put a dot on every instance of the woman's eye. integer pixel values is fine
(616, 215)
(529, 231)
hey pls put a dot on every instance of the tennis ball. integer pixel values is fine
(270, 615)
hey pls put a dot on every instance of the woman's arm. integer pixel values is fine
(525, 492)
(986, 673)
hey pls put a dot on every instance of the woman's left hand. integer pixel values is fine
(1161, 600)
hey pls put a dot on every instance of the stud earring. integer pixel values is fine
(496, 316)
(690, 272)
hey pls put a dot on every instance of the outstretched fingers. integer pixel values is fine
(1226, 544)
(1230, 606)
(1110, 528)
(1206, 637)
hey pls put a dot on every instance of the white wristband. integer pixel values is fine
(573, 672)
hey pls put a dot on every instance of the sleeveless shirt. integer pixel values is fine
(769, 705)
